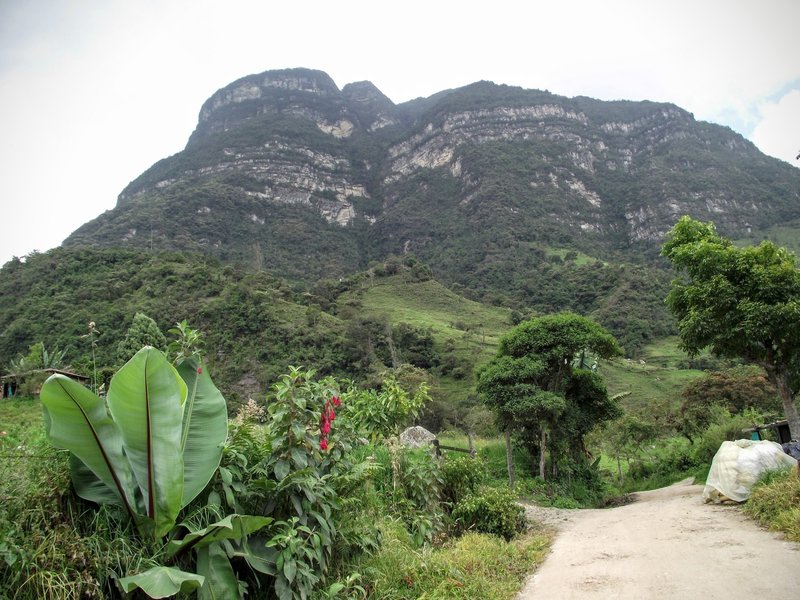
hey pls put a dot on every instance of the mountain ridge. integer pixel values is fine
(285, 172)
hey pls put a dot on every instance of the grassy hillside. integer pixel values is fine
(655, 381)
(472, 330)
(465, 333)
(430, 305)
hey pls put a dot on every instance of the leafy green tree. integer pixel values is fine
(626, 437)
(142, 332)
(741, 302)
(414, 345)
(188, 342)
(735, 389)
(380, 414)
(536, 391)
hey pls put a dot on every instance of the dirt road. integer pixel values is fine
(665, 545)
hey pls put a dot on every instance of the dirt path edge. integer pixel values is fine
(666, 544)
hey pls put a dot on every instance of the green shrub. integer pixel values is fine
(418, 479)
(492, 510)
(410, 482)
(775, 502)
(547, 493)
(726, 427)
(673, 458)
(461, 477)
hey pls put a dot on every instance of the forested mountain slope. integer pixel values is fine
(517, 198)
(491, 186)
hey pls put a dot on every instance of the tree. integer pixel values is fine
(536, 391)
(735, 389)
(741, 302)
(28, 371)
(37, 358)
(142, 332)
(626, 437)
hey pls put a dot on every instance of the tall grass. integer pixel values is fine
(52, 544)
(775, 503)
(470, 567)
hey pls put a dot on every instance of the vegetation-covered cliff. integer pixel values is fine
(492, 186)
(517, 198)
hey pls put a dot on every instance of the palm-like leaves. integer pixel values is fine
(153, 450)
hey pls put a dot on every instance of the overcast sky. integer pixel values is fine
(93, 92)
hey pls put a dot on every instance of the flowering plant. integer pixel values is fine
(328, 416)
(295, 482)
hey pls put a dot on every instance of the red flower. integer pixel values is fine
(336, 401)
(323, 444)
(326, 427)
(199, 370)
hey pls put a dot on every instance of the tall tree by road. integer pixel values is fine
(536, 391)
(739, 302)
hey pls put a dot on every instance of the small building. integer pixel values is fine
(11, 383)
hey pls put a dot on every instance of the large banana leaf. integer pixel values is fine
(232, 527)
(205, 427)
(78, 421)
(221, 582)
(162, 582)
(146, 399)
(88, 485)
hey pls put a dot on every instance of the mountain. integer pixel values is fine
(516, 197)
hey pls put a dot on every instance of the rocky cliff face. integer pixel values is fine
(292, 91)
(283, 166)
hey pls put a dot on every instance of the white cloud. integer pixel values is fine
(778, 131)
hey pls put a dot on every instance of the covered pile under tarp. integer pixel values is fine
(738, 465)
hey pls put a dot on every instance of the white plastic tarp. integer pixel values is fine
(738, 465)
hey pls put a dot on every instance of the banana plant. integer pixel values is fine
(151, 448)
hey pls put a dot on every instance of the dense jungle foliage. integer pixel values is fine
(258, 324)
(258, 329)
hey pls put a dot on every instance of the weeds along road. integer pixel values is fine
(667, 544)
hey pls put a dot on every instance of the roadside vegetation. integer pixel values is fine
(311, 495)
(306, 492)
(775, 503)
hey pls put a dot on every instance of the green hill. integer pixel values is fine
(253, 326)
(256, 325)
